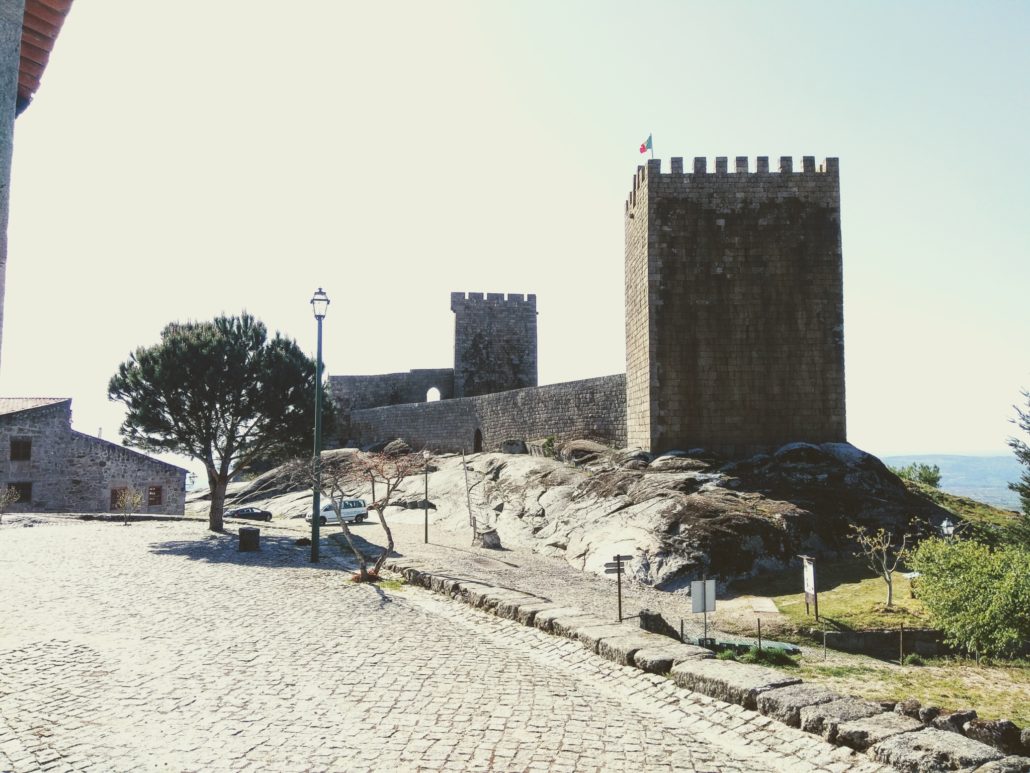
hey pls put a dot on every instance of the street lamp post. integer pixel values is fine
(425, 500)
(319, 304)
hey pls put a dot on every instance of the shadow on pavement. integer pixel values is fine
(275, 551)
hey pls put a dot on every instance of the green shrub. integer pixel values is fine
(912, 659)
(928, 475)
(978, 595)
(770, 656)
(548, 446)
(725, 655)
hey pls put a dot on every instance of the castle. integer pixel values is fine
(734, 331)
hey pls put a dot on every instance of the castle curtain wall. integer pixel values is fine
(593, 408)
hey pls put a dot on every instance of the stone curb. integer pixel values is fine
(885, 736)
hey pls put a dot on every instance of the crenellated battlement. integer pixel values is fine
(829, 169)
(517, 299)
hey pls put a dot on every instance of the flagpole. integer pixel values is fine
(651, 135)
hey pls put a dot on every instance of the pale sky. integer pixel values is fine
(186, 159)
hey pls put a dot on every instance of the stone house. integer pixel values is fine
(54, 468)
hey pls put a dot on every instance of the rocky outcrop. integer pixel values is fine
(681, 515)
(687, 514)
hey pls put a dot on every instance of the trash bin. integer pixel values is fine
(250, 539)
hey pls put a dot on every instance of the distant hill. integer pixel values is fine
(983, 478)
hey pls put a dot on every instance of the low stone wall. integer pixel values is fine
(593, 408)
(888, 732)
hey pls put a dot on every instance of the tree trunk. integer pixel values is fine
(362, 564)
(889, 579)
(214, 516)
(389, 543)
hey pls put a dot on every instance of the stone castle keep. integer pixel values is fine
(734, 331)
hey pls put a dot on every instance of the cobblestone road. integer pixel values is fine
(158, 646)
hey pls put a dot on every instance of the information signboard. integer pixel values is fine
(811, 595)
(702, 596)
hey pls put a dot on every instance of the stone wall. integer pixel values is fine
(46, 429)
(495, 342)
(352, 393)
(593, 408)
(73, 472)
(95, 467)
(734, 306)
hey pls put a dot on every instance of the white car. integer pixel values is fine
(351, 511)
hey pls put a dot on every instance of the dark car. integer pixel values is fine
(249, 512)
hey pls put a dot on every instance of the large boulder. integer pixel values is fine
(730, 681)
(930, 750)
(860, 734)
(514, 446)
(583, 451)
(955, 721)
(397, 447)
(999, 733)
(785, 703)
(1011, 764)
(824, 718)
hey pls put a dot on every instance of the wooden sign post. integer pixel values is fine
(615, 567)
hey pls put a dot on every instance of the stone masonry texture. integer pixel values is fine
(73, 472)
(593, 408)
(351, 393)
(734, 306)
(494, 342)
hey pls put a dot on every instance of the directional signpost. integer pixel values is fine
(615, 567)
(702, 599)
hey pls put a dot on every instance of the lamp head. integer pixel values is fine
(319, 303)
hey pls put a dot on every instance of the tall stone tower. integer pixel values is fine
(734, 306)
(494, 342)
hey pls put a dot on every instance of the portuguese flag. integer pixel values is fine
(646, 145)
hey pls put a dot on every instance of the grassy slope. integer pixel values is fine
(965, 508)
(851, 597)
(998, 691)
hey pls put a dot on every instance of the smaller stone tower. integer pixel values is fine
(494, 342)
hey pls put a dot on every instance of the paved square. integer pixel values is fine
(158, 646)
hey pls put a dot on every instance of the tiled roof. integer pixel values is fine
(15, 404)
(42, 24)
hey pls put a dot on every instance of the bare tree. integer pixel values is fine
(8, 497)
(389, 471)
(881, 554)
(341, 473)
(129, 500)
(338, 472)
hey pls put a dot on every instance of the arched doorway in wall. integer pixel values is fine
(432, 395)
(477, 442)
